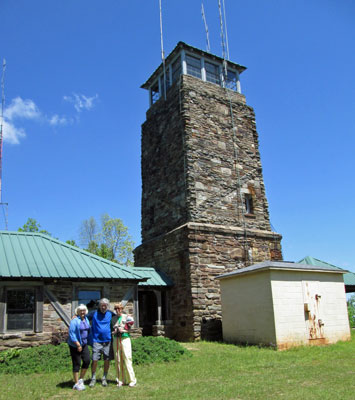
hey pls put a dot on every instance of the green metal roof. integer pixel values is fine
(155, 277)
(349, 277)
(35, 255)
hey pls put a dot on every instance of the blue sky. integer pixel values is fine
(74, 109)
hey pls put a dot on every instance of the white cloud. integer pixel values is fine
(57, 120)
(11, 133)
(81, 102)
(19, 108)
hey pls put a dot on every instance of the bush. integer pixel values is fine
(150, 349)
(351, 311)
(49, 358)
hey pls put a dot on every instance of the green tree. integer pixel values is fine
(109, 239)
(33, 226)
(351, 310)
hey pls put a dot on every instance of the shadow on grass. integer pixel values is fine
(69, 384)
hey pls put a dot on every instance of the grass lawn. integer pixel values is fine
(215, 371)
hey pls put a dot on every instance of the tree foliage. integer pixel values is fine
(33, 226)
(108, 239)
(351, 310)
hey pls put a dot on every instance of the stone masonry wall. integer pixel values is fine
(169, 253)
(193, 255)
(200, 161)
(54, 329)
(223, 164)
(163, 168)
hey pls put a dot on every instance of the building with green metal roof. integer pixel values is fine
(43, 280)
(349, 277)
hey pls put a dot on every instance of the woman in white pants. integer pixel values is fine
(123, 348)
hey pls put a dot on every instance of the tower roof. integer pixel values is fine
(183, 46)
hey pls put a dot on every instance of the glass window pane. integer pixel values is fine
(20, 309)
(90, 298)
(212, 73)
(231, 82)
(193, 65)
(176, 69)
(155, 93)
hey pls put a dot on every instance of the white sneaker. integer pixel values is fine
(78, 387)
(81, 384)
(119, 383)
(132, 384)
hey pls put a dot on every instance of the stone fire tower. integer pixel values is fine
(204, 209)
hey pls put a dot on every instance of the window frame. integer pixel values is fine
(248, 204)
(216, 74)
(194, 70)
(37, 325)
(89, 289)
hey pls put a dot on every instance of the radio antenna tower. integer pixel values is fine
(4, 205)
(206, 28)
(225, 28)
(162, 48)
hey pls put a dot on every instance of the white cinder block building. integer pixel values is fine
(284, 304)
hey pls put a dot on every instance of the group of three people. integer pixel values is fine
(107, 329)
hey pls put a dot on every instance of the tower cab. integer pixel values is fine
(188, 60)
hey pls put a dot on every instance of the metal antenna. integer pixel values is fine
(225, 29)
(162, 47)
(2, 120)
(206, 28)
(2, 135)
(222, 40)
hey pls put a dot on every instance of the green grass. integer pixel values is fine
(215, 371)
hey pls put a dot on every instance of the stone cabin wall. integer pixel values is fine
(54, 329)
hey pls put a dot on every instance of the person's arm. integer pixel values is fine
(74, 333)
(90, 315)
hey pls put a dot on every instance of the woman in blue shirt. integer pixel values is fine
(78, 340)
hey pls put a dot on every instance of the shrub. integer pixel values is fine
(49, 358)
(150, 349)
(351, 311)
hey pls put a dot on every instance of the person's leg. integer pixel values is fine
(106, 354)
(85, 356)
(117, 355)
(93, 367)
(95, 357)
(106, 367)
(76, 359)
(76, 377)
(130, 377)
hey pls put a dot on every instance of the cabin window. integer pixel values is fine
(193, 66)
(89, 297)
(155, 93)
(231, 81)
(212, 73)
(176, 69)
(20, 309)
(248, 202)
